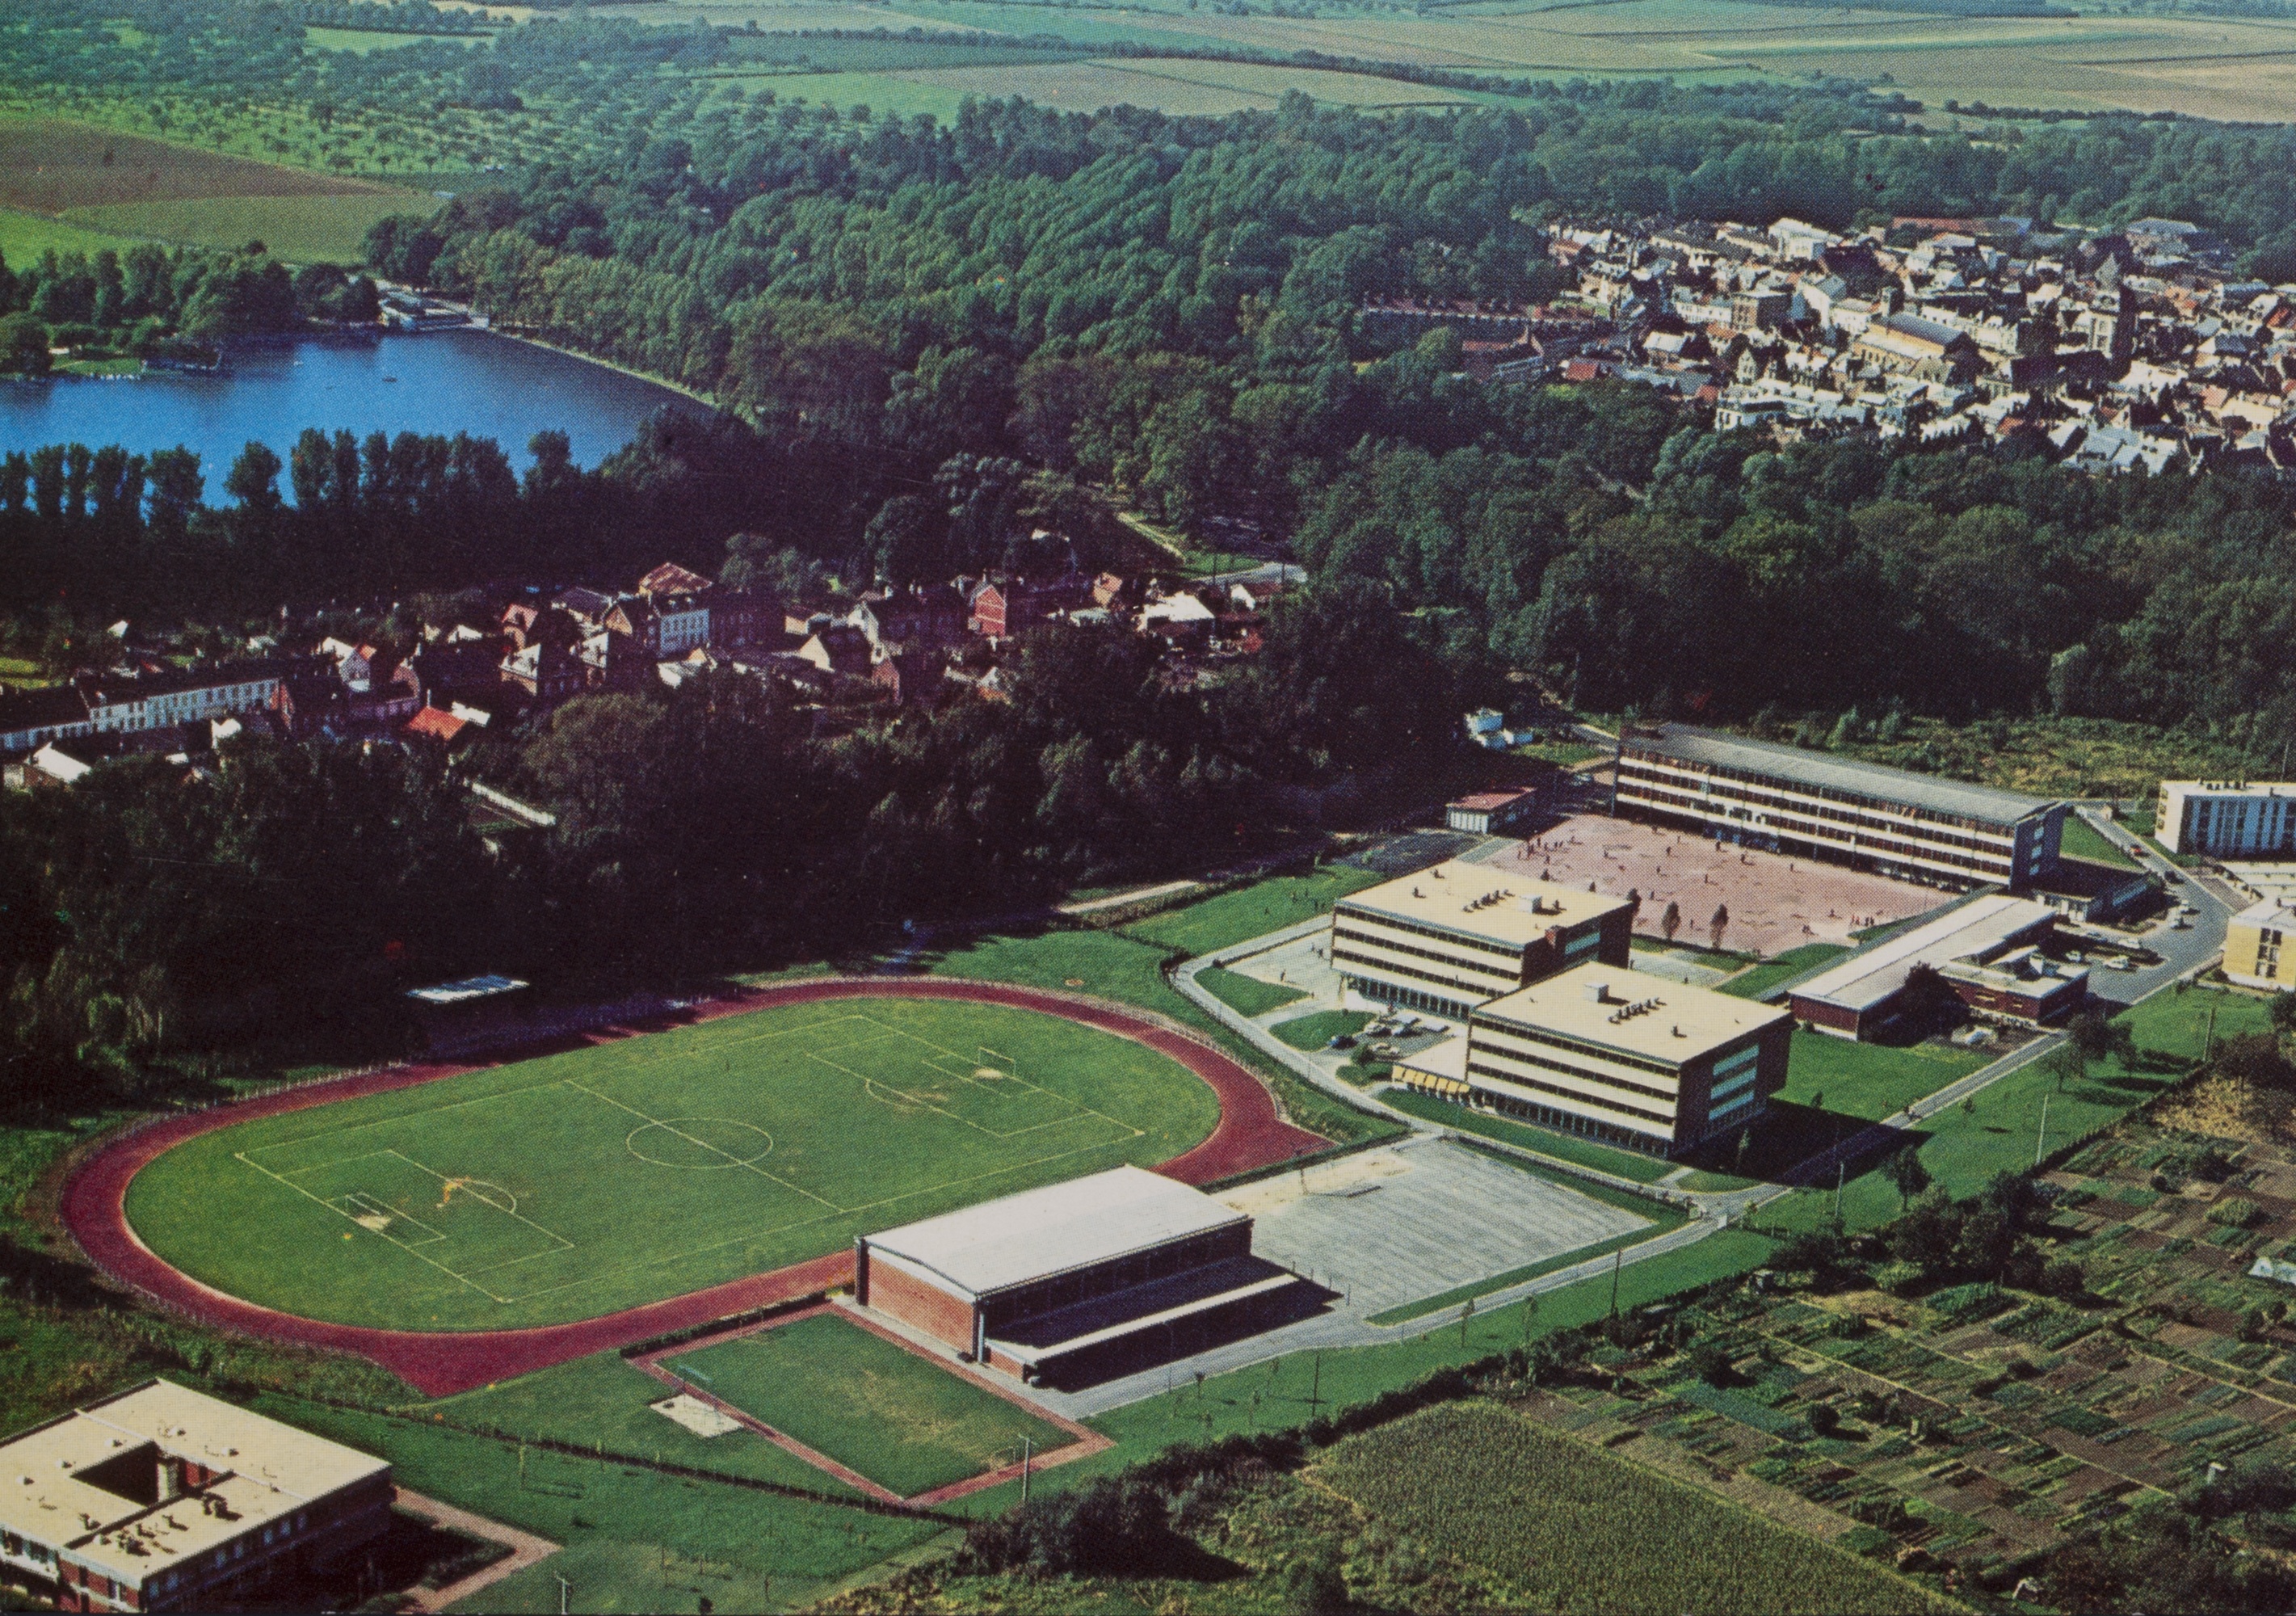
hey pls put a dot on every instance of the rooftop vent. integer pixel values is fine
(1598, 993)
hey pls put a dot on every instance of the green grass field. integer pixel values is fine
(1266, 906)
(1319, 1029)
(1246, 995)
(904, 1422)
(299, 229)
(580, 1183)
(2083, 840)
(1751, 984)
(1868, 1081)
(24, 236)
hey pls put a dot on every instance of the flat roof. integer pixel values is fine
(1483, 901)
(270, 1469)
(2232, 788)
(1827, 773)
(1874, 975)
(470, 987)
(1654, 1017)
(2266, 912)
(1492, 800)
(1037, 1234)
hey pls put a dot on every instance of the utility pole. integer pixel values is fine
(1618, 1260)
(564, 1588)
(2208, 1044)
(1027, 1453)
(1315, 1385)
(2040, 1140)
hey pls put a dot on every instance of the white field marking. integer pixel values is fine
(704, 1144)
(956, 1070)
(785, 1228)
(360, 1206)
(1012, 1076)
(346, 1217)
(510, 1211)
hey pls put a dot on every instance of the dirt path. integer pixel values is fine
(1250, 1133)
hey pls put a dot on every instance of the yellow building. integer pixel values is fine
(2253, 942)
(1451, 938)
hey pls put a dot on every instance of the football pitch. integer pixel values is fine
(582, 1183)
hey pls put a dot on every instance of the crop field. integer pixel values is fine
(1173, 84)
(362, 40)
(24, 236)
(616, 1174)
(1560, 1517)
(902, 1420)
(86, 179)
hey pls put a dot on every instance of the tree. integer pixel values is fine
(1904, 1169)
(24, 345)
(2066, 1064)
(2098, 1038)
(1671, 922)
(2284, 1014)
(1716, 926)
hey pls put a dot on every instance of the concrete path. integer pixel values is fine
(525, 1549)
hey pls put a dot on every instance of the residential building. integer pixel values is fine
(1917, 827)
(2226, 818)
(163, 1498)
(1642, 1062)
(130, 704)
(1041, 1283)
(2254, 941)
(1459, 935)
(1990, 953)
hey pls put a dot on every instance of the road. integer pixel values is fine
(2181, 953)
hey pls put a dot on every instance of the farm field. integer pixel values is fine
(24, 236)
(362, 40)
(1561, 1516)
(612, 1175)
(301, 229)
(904, 1422)
(83, 177)
(1176, 86)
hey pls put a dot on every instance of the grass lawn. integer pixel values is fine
(504, 1197)
(904, 1422)
(2083, 840)
(601, 1400)
(635, 1540)
(1721, 959)
(1122, 967)
(1246, 995)
(1248, 912)
(1560, 1516)
(1566, 1147)
(24, 236)
(1318, 1031)
(1751, 984)
(1868, 1081)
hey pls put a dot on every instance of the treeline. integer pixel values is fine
(162, 917)
(154, 302)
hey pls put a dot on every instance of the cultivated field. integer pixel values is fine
(123, 185)
(1562, 1517)
(903, 1421)
(616, 1174)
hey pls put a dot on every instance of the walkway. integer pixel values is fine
(525, 1549)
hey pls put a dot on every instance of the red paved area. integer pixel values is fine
(1777, 901)
(438, 1363)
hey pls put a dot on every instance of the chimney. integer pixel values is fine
(1598, 993)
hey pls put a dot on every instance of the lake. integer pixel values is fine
(436, 382)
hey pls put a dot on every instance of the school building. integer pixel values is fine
(1459, 935)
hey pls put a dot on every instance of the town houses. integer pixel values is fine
(2139, 345)
(531, 648)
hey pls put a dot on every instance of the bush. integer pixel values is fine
(2064, 1278)
(1712, 1364)
(2234, 1212)
(1898, 1278)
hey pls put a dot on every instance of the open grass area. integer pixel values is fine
(1229, 918)
(1758, 981)
(1561, 1517)
(907, 1423)
(1318, 1031)
(1246, 995)
(1868, 1081)
(602, 1401)
(635, 1540)
(299, 229)
(24, 236)
(607, 1176)
(362, 40)
(2083, 840)
(1564, 1148)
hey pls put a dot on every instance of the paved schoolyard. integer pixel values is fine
(1776, 902)
(1387, 1226)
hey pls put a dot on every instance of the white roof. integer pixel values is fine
(1037, 1234)
(1872, 975)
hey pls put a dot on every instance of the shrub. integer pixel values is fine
(2233, 1212)
(1898, 1278)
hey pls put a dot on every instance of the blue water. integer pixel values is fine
(437, 382)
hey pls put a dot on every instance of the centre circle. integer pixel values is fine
(701, 1142)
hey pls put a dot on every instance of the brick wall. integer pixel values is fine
(921, 1306)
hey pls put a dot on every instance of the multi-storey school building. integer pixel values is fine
(1451, 938)
(2254, 943)
(1633, 1060)
(2226, 818)
(1915, 827)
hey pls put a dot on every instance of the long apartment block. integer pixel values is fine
(1458, 935)
(1630, 1059)
(1915, 827)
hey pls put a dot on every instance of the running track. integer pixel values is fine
(438, 1363)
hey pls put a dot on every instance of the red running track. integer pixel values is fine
(440, 1363)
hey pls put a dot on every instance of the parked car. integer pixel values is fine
(1342, 1040)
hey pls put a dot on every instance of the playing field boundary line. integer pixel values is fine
(92, 1201)
(677, 1132)
(355, 1223)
